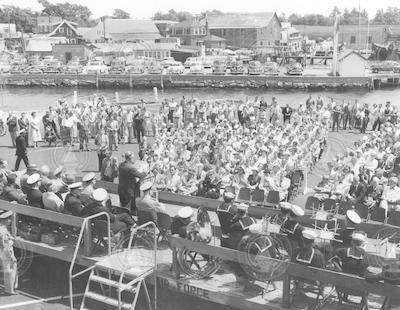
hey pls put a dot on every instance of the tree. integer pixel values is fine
(24, 19)
(282, 17)
(173, 15)
(390, 16)
(72, 12)
(118, 13)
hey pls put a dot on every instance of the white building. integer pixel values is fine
(350, 63)
(7, 30)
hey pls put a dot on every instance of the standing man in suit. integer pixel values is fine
(12, 123)
(287, 113)
(129, 182)
(23, 123)
(21, 152)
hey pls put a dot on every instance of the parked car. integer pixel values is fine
(387, 66)
(167, 61)
(219, 67)
(207, 63)
(51, 69)
(95, 66)
(255, 68)
(155, 68)
(117, 66)
(5, 66)
(34, 70)
(18, 69)
(175, 68)
(237, 68)
(271, 68)
(189, 62)
(197, 68)
(73, 66)
(294, 68)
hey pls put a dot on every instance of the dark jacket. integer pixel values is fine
(129, 178)
(20, 145)
(178, 226)
(96, 207)
(35, 198)
(358, 192)
(73, 205)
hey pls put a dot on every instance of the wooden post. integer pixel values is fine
(175, 265)
(130, 80)
(14, 220)
(97, 79)
(286, 291)
(87, 239)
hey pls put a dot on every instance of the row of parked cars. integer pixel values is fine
(193, 65)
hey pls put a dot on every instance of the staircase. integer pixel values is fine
(106, 285)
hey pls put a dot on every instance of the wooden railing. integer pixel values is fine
(291, 270)
(52, 216)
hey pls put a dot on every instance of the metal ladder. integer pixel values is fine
(125, 283)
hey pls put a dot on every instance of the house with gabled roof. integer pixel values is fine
(67, 30)
(350, 64)
(259, 31)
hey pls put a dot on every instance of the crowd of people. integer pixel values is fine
(368, 173)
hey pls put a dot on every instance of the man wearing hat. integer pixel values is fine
(72, 203)
(88, 182)
(391, 196)
(344, 234)
(307, 254)
(227, 212)
(291, 227)
(35, 195)
(8, 261)
(129, 182)
(12, 192)
(20, 150)
(147, 204)
(118, 223)
(51, 201)
(181, 221)
(58, 183)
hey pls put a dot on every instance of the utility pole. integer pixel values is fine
(335, 45)
(359, 24)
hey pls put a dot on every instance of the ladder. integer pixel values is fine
(109, 286)
(116, 274)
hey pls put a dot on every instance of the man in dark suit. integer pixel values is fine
(35, 195)
(21, 151)
(129, 182)
(23, 123)
(358, 189)
(287, 113)
(72, 203)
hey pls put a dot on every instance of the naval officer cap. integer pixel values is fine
(75, 185)
(185, 212)
(309, 234)
(88, 177)
(353, 217)
(100, 194)
(32, 179)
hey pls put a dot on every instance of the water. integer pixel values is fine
(39, 99)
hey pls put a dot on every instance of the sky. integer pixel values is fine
(146, 9)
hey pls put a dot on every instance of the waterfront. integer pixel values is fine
(38, 98)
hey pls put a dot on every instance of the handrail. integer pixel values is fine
(155, 262)
(71, 268)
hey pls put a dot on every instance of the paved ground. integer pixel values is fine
(45, 285)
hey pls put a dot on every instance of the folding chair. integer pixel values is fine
(145, 216)
(362, 210)
(258, 196)
(344, 206)
(100, 233)
(312, 203)
(378, 214)
(394, 218)
(329, 205)
(244, 194)
(164, 226)
(309, 286)
(344, 293)
(273, 199)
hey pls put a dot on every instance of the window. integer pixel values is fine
(61, 30)
(352, 39)
(370, 39)
(72, 41)
(224, 32)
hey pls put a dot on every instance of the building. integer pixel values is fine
(350, 64)
(7, 31)
(45, 23)
(122, 31)
(41, 46)
(165, 26)
(257, 31)
(353, 36)
(190, 32)
(212, 41)
(291, 38)
(67, 30)
(66, 51)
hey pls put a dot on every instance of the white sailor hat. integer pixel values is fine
(229, 195)
(185, 212)
(75, 185)
(146, 186)
(285, 205)
(353, 216)
(100, 194)
(297, 210)
(21, 131)
(5, 214)
(32, 179)
(286, 153)
(242, 206)
(58, 170)
(88, 177)
(360, 236)
(309, 234)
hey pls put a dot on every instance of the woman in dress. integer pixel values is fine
(34, 129)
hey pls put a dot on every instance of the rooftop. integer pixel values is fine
(240, 20)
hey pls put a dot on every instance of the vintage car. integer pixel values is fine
(73, 66)
(176, 68)
(155, 68)
(237, 68)
(117, 66)
(196, 68)
(51, 69)
(207, 63)
(5, 66)
(167, 61)
(294, 68)
(18, 69)
(271, 68)
(189, 62)
(219, 67)
(255, 68)
(387, 66)
(95, 67)
(34, 70)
